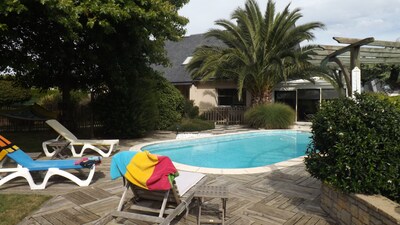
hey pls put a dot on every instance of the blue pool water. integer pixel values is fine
(243, 150)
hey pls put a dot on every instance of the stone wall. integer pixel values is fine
(359, 209)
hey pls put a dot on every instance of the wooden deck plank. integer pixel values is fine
(288, 195)
(294, 219)
(312, 221)
(265, 210)
(303, 220)
(79, 197)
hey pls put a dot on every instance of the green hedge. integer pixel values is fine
(193, 125)
(270, 116)
(170, 103)
(355, 146)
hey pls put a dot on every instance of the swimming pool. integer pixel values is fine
(235, 151)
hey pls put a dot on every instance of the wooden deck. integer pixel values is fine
(284, 196)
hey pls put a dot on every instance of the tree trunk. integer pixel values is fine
(262, 97)
(394, 75)
(66, 106)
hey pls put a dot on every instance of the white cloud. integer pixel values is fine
(346, 18)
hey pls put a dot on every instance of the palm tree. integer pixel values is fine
(260, 51)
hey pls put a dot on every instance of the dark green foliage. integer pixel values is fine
(385, 72)
(193, 125)
(11, 93)
(393, 99)
(190, 110)
(270, 116)
(170, 104)
(355, 146)
(130, 111)
(85, 44)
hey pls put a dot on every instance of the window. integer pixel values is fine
(307, 103)
(229, 97)
(287, 97)
(329, 94)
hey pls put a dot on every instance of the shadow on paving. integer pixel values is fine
(294, 197)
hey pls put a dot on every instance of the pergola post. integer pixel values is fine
(354, 49)
(355, 81)
(354, 57)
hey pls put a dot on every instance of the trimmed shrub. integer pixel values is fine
(193, 125)
(270, 116)
(355, 146)
(190, 110)
(11, 93)
(170, 104)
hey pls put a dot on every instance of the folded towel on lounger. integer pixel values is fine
(88, 162)
(146, 170)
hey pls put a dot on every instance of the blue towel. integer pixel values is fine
(119, 162)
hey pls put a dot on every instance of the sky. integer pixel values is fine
(342, 18)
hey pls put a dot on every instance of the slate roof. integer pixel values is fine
(177, 53)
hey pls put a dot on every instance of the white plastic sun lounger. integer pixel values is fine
(26, 165)
(103, 147)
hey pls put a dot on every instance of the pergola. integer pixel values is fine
(357, 51)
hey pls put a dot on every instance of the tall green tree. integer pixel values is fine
(261, 50)
(86, 44)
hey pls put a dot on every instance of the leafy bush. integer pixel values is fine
(170, 103)
(355, 146)
(11, 93)
(50, 99)
(190, 110)
(270, 116)
(193, 125)
(393, 99)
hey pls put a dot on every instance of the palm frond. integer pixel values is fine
(262, 49)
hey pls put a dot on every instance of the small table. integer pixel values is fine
(59, 147)
(207, 191)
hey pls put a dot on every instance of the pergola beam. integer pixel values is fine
(332, 48)
(353, 48)
(351, 56)
(390, 44)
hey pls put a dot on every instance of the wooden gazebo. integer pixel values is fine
(357, 51)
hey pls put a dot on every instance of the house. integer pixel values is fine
(301, 95)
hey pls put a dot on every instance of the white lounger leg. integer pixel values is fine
(121, 202)
(97, 149)
(55, 171)
(18, 172)
(46, 150)
(24, 172)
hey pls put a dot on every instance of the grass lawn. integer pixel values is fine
(15, 207)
